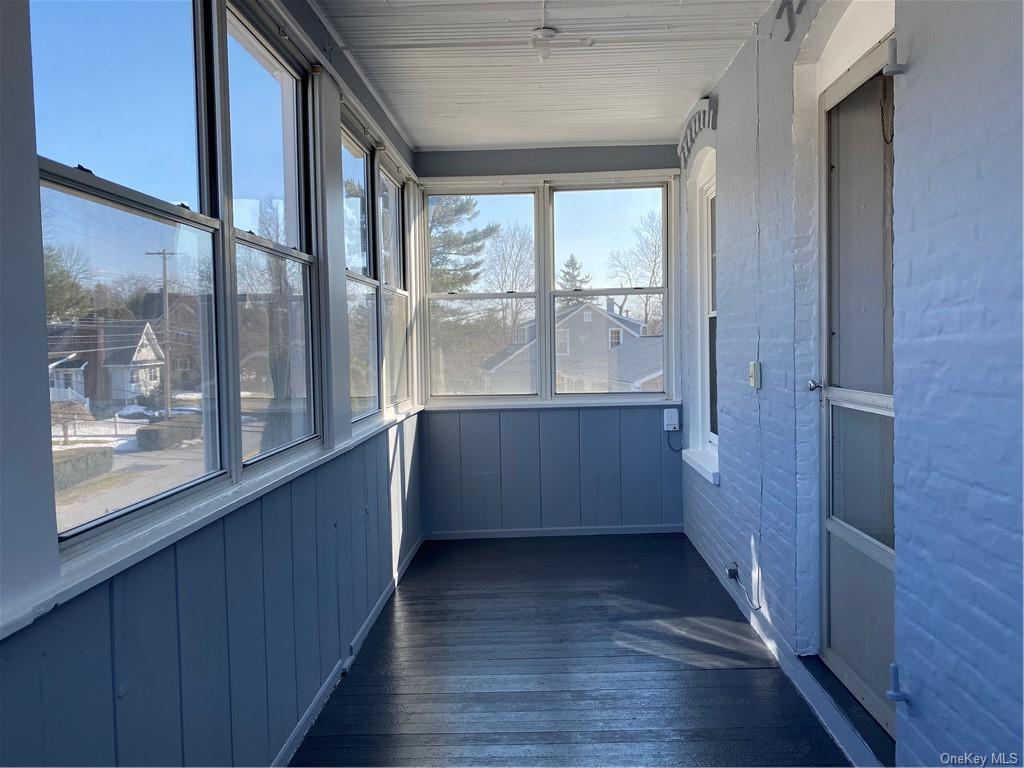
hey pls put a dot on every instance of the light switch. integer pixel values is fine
(754, 376)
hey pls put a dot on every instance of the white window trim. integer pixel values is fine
(543, 186)
(702, 451)
(617, 332)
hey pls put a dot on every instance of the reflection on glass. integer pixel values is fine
(609, 238)
(614, 344)
(862, 483)
(354, 175)
(481, 243)
(273, 348)
(483, 347)
(389, 208)
(362, 348)
(396, 347)
(134, 125)
(264, 155)
(133, 396)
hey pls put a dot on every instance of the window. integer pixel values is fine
(264, 127)
(134, 125)
(355, 175)
(712, 318)
(394, 300)
(482, 294)
(562, 341)
(609, 262)
(272, 270)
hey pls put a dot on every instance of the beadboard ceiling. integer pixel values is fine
(461, 74)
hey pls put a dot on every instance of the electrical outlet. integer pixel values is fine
(732, 570)
(671, 419)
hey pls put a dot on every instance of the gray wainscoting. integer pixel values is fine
(519, 472)
(214, 650)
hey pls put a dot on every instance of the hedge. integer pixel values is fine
(75, 465)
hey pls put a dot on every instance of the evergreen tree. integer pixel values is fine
(571, 278)
(455, 250)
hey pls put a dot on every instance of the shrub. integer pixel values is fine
(168, 434)
(76, 465)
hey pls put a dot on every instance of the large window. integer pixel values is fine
(272, 270)
(482, 294)
(609, 280)
(394, 299)
(143, 276)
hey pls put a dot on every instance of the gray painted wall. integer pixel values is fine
(545, 160)
(548, 471)
(210, 651)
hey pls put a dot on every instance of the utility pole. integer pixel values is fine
(163, 253)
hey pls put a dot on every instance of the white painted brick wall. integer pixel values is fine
(958, 367)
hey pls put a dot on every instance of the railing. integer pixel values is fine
(66, 394)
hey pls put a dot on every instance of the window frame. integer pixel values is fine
(401, 291)
(543, 187)
(708, 305)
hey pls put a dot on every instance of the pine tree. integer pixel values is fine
(455, 251)
(571, 278)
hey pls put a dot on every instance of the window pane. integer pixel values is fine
(362, 342)
(608, 238)
(481, 243)
(390, 209)
(274, 353)
(354, 170)
(264, 154)
(862, 472)
(483, 346)
(115, 92)
(620, 349)
(712, 242)
(713, 374)
(133, 396)
(396, 347)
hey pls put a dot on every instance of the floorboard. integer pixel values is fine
(591, 650)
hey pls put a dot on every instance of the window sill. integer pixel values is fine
(704, 461)
(94, 557)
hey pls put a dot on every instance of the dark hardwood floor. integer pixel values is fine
(591, 650)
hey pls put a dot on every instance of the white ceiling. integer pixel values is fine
(460, 74)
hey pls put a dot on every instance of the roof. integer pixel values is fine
(115, 341)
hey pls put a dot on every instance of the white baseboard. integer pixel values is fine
(403, 564)
(832, 718)
(357, 641)
(591, 530)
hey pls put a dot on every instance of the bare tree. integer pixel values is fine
(641, 265)
(509, 266)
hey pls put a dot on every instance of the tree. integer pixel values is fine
(455, 250)
(510, 266)
(641, 265)
(571, 278)
(65, 273)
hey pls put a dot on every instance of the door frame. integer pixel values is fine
(866, 67)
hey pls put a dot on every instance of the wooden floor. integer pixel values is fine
(593, 650)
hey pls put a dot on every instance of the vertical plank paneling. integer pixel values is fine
(396, 488)
(671, 479)
(21, 702)
(304, 589)
(146, 665)
(641, 465)
(384, 521)
(357, 536)
(412, 519)
(328, 618)
(480, 454)
(280, 614)
(203, 639)
(343, 565)
(372, 459)
(444, 480)
(600, 478)
(243, 553)
(560, 468)
(520, 469)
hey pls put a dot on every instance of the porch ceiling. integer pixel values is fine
(461, 74)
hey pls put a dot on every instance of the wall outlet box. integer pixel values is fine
(671, 419)
(754, 374)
